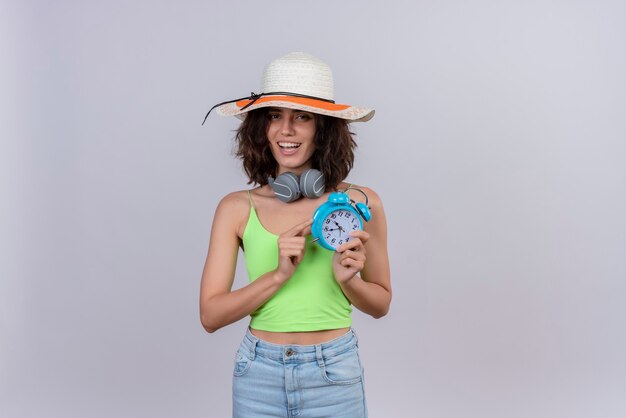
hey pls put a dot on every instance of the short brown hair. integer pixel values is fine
(333, 156)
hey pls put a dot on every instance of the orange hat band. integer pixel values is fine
(296, 98)
(305, 101)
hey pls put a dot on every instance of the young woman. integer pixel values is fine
(299, 356)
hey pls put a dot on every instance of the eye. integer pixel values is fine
(273, 115)
(305, 117)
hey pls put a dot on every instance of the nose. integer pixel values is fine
(286, 127)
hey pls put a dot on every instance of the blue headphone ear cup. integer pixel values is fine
(286, 187)
(364, 211)
(312, 183)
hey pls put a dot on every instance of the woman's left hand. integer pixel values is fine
(349, 259)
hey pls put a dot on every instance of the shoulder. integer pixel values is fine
(232, 211)
(235, 198)
(234, 201)
(373, 199)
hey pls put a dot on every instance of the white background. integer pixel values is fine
(498, 147)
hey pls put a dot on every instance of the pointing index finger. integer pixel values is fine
(300, 230)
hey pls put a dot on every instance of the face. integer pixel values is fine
(291, 135)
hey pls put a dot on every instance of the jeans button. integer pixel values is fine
(289, 352)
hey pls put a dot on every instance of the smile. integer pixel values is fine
(288, 145)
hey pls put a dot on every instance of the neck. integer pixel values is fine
(297, 171)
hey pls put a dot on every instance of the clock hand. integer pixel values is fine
(337, 223)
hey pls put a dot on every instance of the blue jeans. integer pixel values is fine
(304, 381)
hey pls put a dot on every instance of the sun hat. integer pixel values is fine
(295, 81)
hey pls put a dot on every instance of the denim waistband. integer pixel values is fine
(254, 346)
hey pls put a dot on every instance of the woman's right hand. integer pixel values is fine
(291, 247)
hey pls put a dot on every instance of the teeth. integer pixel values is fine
(288, 144)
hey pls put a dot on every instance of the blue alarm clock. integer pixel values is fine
(337, 218)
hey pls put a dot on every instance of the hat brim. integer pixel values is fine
(351, 113)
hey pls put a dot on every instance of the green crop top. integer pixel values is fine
(310, 301)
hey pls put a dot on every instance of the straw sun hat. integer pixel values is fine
(295, 81)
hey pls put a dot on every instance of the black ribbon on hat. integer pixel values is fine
(254, 97)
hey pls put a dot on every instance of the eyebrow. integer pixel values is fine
(280, 109)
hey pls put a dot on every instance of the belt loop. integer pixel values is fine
(356, 339)
(253, 348)
(254, 341)
(318, 354)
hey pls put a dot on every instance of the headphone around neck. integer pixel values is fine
(289, 187)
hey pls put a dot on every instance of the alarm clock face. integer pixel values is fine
(337, 225)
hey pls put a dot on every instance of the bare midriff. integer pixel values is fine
(299, 338)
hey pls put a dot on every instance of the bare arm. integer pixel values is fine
(219, 306)
(369, 291)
